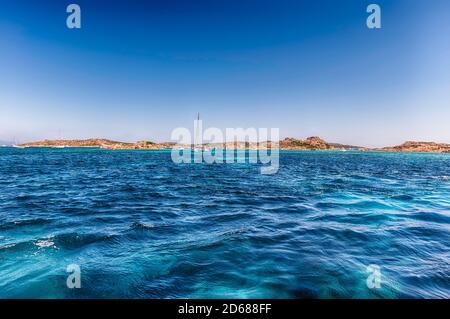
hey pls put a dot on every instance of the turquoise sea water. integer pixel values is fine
(141, 226)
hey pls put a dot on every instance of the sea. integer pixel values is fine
(133, 224)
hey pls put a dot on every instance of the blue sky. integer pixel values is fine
(138, 69)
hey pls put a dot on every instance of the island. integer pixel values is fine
(289, 143)
(97, 143)
(423, 147)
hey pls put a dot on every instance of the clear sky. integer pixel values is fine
(138, 69)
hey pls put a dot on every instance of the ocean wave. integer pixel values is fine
(24, 222)
(445, 177)
(142, 225)
(71, 241)
(45, 243)
(222, 218)
(213, 230)
(7, 246)
(362, 204)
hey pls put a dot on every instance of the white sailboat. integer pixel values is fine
(59, 137)
(198, 146)
(15, 145)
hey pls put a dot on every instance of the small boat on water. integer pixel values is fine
(16, 145)
(198, 144)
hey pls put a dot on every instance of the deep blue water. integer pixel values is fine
(140, 226)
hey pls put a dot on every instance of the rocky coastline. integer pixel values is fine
(310, 143)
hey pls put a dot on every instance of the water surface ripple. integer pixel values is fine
(142, 227)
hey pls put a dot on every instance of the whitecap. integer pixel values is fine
(444, 177)
(143, 225)
(7, 246)
(47, 242)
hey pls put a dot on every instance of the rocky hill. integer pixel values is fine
(311, 143)
(411, 146)
(95, 142)
(314, 143)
